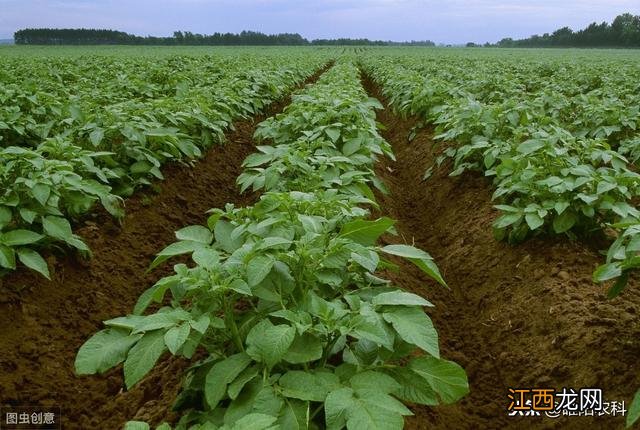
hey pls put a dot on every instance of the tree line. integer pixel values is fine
(623, 32)
(84, 36)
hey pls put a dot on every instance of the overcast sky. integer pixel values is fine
(455, 21)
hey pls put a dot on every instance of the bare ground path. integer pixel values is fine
(525, 316)
(44, 323)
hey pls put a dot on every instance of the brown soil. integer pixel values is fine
(525, 316)
(44, 323)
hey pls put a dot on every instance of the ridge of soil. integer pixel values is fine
(525, 316)
(45, 323)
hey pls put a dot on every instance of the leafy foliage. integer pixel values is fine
(75, 133)
(283, 296)
(558, 138)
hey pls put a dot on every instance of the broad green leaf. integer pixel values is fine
(417, 257)
(254, 422)
(414, 327)
(634, 410)
(243, 378)
(175, 337)
(222, 232)
(221, 374)
(195, 233)
(533, 220)
(177, 248)
(400, 298)
(258, 268)
(366, 232)
(336, 406)
(374, 381)
(268, 343)
(7, 257)
(606, 272)
(143, 356)
(507, 219)
(446, 378)
(564, 222)
(530, 146)
(413, 388)
(34, 261)
(41, 192)
(20, 237)
(136, 425)
(96, 136)
(308, 386)
(104, 350)
(57, 227)
(295, 415)
(304, 349)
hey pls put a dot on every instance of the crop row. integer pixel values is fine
(77, 133)
(282, 302)
(559, 139)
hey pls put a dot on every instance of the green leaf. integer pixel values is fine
(366, 232)
(34, 261)
(336, 405)
(606, 272)
(154, 294)
(618, 286)
(244, 378)
(20, 237)
(268, 343)
(104, 350)
(96, 136)
(206, 257)
(195, 233)
(334, 134)
(304, 349)
(258, 268)
(143, 357)
(57, 227)
(374, 381)
(254, 422)
(5, 215)
(564, 222)
(177, 248)
(221, 374)
(507, 219)
(417, 257)
(446, 378)
(222, 232)
(413, 388)
(41, 192)
(7, 257)
(414, 327)
(136, 425)
(295, 415)
(634, 410)
(175, 337)
(400, 298)
(529, 146)
(376, 412)
(533, 220)
(308, 386)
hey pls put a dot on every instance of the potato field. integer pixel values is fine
(320, 237)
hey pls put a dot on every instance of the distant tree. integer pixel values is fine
(624, 32)
(56, 36)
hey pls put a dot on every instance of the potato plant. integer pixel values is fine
(283, 304)
(559, 142)
(79, 132)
